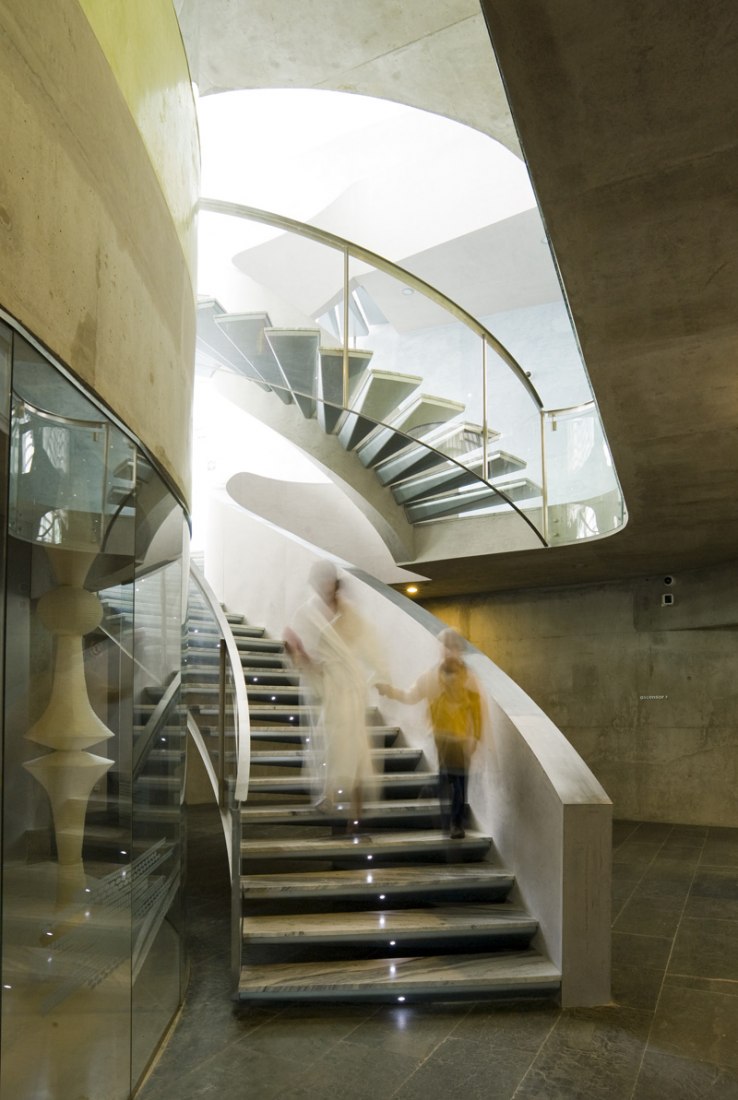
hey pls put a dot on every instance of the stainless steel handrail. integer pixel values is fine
(331, 240)
(349, 248)
(241, 709)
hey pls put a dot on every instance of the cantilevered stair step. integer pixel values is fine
(217, 346)
(451, 977)
(247, 332)
(384, 846)
(458, 440)
(377, 398)
(416, 418)
(330, 409)
(410, 929)
(453, 504)
(296, 351)
(383, 885)
(450, 475)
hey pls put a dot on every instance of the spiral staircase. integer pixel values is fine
(420, 446)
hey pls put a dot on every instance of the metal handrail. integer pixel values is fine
(332, 240)
(156, 721)
(241, 710)
(489, 340)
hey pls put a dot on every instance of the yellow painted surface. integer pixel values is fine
(93, 264)
(142, 42)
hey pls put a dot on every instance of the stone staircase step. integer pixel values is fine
(447, 977)
(385, 845)
(382, 885)
(295, 758)
(393, 812)
(299, 784)
(402, 930)
(385, 735)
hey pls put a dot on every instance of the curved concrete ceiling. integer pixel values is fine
(629, 120)
(432, 56)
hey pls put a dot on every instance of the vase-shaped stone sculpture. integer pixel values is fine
(69, 725)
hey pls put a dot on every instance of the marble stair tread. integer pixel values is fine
(387, 781)
(255, 674)
(294, 734)
(212, 690)
(417, 842)
(447, 922)
(277, 710)
(207, 672)
(392, 881)
(459, 976)
(294, 758)
(395, 810)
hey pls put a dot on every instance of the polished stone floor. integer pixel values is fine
(671, 1032)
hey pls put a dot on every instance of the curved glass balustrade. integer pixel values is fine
(215, 692)
(93, 741)
(418, 388)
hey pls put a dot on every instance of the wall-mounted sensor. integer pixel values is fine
(668, 580)
(667, 599)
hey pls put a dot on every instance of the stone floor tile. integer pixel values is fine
(412, 1030)
(352, 1071)
(706, 948)
(721, 848)
(466, 1068)
(714, 894)
(666, 1076)
(657, 917)
(636, 949)
(518, 1025)
(699, 1024)
(594, 1054)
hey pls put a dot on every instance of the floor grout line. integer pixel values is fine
(654, 1013)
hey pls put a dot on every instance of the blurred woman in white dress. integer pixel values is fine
(337, 653)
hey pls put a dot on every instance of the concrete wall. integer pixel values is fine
(96, 254)
(647, 694)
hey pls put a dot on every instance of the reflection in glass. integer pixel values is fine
(91, 918)
(583, 498)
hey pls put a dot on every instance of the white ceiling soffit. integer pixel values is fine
(433, 56)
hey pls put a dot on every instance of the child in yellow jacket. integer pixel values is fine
(455, 711)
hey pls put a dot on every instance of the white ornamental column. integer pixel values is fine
(69, 725)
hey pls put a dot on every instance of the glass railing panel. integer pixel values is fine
(413, 336)
(272, 330)
(158, 768)
(215, 693)
(383, 359)
(201, 671)
(92, 946)
(583, 498)
(514, 464)
(67, 828)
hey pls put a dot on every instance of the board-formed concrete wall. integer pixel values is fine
(96, 258)
(645, 691)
